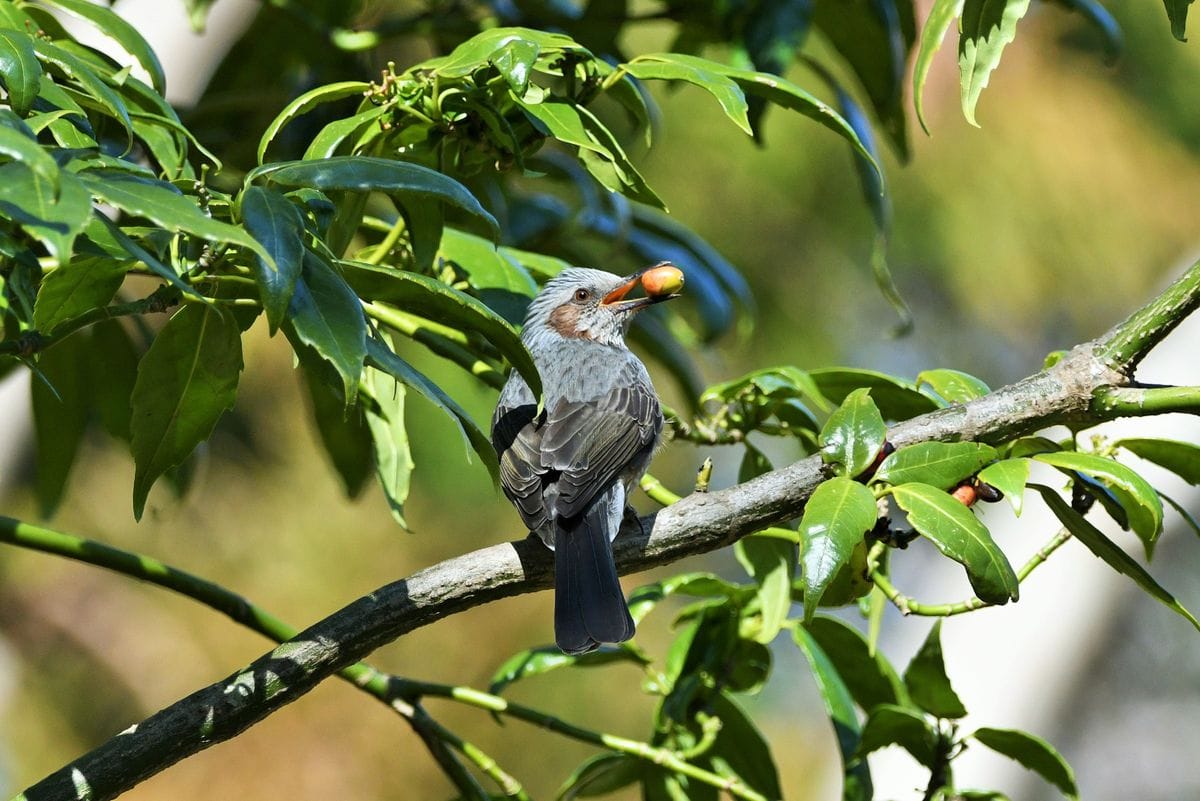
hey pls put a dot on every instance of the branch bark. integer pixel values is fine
(697, 524)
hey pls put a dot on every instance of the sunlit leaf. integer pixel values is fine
(54, 219)
(306, 103)
(941, 15)
(954, 386)
(940, 464)
(854, 434)
(836, 518)
(1009, 476)
(20, 69)
(986, 28)
(771, 563)
(75, 288)
(126, 35)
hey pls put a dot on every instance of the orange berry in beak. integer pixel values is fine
(665, 279)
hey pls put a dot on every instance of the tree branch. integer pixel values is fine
(699, 523)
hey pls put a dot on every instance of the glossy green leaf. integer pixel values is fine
(327, 316)
(896, 398)
(870, 678)
(940, 464)
(433, 300)
(481, 49)
(18, 142)
(75, 288)
(20, 69)
(496, 276)
(54, 219)
(1181, 458)
(278, 225)
(928, 685)
(61, 400)
(385, 420)
(600, 775)
(958, 534)
(771, 562)
(370, 174)
(705, 585)
(305, 103)
(77, 70)
(1135, 495)
(380, 356)
(1177, 15)
(954, 386)
(164, 205)
(839, 705)
(889, 724)
(185, 382)
(330, 138)
(1033, 753)
(853, 435)
(537, 661)
(343, 432)
(934, 31)
(115, 27)
(1009, 476)
(113, 375)
(836, 518)
(986, 28)
(1110, 552)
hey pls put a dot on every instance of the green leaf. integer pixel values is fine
(278, 225)
(1191, 521)
(537, 661)
(113, 375)
(77, 70)
(19, 143)
(1107, 550)
(600, 775)
(741, 750)
(954, 386)
(29, 199)
(771, 562)
(185, 382)
(1139, 500)
(1177, 14)
(1181, 458)
(164, 205)
(19, 69)
(926, 679)
(940, 464)
(705, 585)
(840, 707)
(1033, 753)
(305, 103)
(108, 236)
(958, 534)
(494, 273)
(60, 414)
(380, 356)
(889, 724)
(115, 27)
(870, 678)
(986, 28)
(836, 518)
(327, 316)
(331, 137)
(937, 23)
(1009, 476)
(369, 174)
(433, 300)
(896, 398)
(344, 433)
(854, 434)
(385, 420)
(75, 288)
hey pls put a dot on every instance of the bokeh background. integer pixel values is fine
(1073, 203)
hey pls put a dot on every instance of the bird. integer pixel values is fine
(570, 467)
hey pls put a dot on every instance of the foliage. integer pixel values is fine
(425, 209)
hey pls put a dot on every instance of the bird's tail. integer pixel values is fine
(589, 607)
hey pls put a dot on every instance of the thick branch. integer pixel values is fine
(697, 524)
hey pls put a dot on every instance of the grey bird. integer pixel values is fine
(569, 469)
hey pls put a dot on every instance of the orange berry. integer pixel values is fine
(665, 279)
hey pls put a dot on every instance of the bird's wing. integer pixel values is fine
(517, 440)
(592, 443)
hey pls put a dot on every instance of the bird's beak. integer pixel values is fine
(616, 299)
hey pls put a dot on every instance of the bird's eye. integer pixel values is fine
(582, 294)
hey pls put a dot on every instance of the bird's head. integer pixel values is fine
(591, 305)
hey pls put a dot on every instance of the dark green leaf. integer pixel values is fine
(114, 26)
(74, 288)
(933, 32)
(60, 414)
(1034, 753)
(840, 706)
(369, 174)
(1028, 446)
(495, 274)
(870, 678)
(853, 435)
(1009, 476)
(1181, 458)
(112, 240)
(771, 562)
(958, 534)
(77, 70)
(326, 315)
(896, 398)
(186, 380)
(941, 464)
(19, 69)
(1191, 521)
(305, 103)
(343, 432)
(836, 518)
(385, 419)
(928, 685)
(1177, 14)
(889, 724)
(954, 386)
(30, 200)
(1107, 550)
(600, 775)
(278, 225)
(113, 375)
(537, 661)
(986, 28)
(741, 750)
(1139, 500)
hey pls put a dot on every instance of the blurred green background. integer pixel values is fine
(1072, 204)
